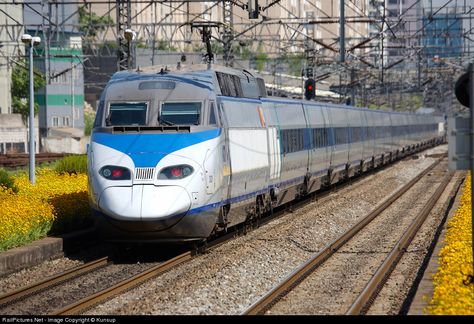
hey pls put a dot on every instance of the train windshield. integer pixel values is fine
(126, 113)
(180, 113)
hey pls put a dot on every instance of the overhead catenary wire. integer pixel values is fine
(275, 34)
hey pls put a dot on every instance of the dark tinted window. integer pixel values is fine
(180, 113)
(292, 140)
(229, 84)
(261, 87)
(166, 85)
(212, 115)
(99, 115)
(127, 113)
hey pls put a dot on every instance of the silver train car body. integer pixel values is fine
(177, 156)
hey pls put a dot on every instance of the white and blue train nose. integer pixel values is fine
(151, 187)
(144, 202)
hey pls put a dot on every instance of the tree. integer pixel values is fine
(90, 23)
(21, 88)
(261, 58)
(166, 46)
(89, 117)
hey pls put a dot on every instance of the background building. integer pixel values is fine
(61, 101)
(11, 29)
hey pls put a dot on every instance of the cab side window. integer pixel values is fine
(212, 114)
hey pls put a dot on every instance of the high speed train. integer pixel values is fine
(177, 156)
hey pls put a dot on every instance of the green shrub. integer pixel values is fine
(72, 164)
(89, 118)
(7, 181)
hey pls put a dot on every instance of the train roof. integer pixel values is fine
(187, 68)
(223, 80)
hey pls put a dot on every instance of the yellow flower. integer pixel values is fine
(454, 288)
(30, 213)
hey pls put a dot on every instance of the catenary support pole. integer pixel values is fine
(32, 119)
(342, 36)
(471, 106)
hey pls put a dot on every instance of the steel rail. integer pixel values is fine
(157, 270)
(213, 244)
(122, 286)
(51, 281)
(128, 283)
(369, 292)
(21, 159)
(294, 278)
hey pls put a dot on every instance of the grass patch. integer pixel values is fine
(72, 164)
(6, 180)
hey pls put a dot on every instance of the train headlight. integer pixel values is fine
(175, 172)
(112, 172)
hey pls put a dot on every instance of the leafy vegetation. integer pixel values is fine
(56, 204)
(89, 117)
(7, 181)
(72, 164)
(295, 63)
(21, 88)
(261, 58)
(166, 46)
(90, 23)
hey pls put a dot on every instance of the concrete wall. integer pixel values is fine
(65, 145)
(14, 138)
(14, 134)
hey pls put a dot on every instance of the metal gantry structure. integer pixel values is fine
(378, 54)
(123, 22)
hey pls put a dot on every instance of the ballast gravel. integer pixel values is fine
(228, 279)
(231, 277)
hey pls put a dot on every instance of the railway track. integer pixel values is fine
(24, 292)
(80, 305)
(73, 290)
(368, 293)
(85, 303)
(48, 285)
(22, 159)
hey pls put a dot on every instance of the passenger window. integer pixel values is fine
(99, 115)
(180, 113)
(212, 114)
(126, 113)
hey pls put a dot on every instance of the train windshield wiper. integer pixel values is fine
(167, 123)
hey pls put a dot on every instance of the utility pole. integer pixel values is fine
(401, 88)
(228, 33)
(419, 71)
(342, 36)
(460, 134)
(124, 12)
(72, 88)
(31, 42)
(471, 106)
(352, 87)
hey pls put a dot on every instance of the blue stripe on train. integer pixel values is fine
(146, 150)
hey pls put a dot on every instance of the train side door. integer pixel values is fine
(224, 151)
(210, 163)
(328, 126)
(213, 167)
(274, 153)
(318, 149)
(270, 121)
(370, 140)
(306, 138)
